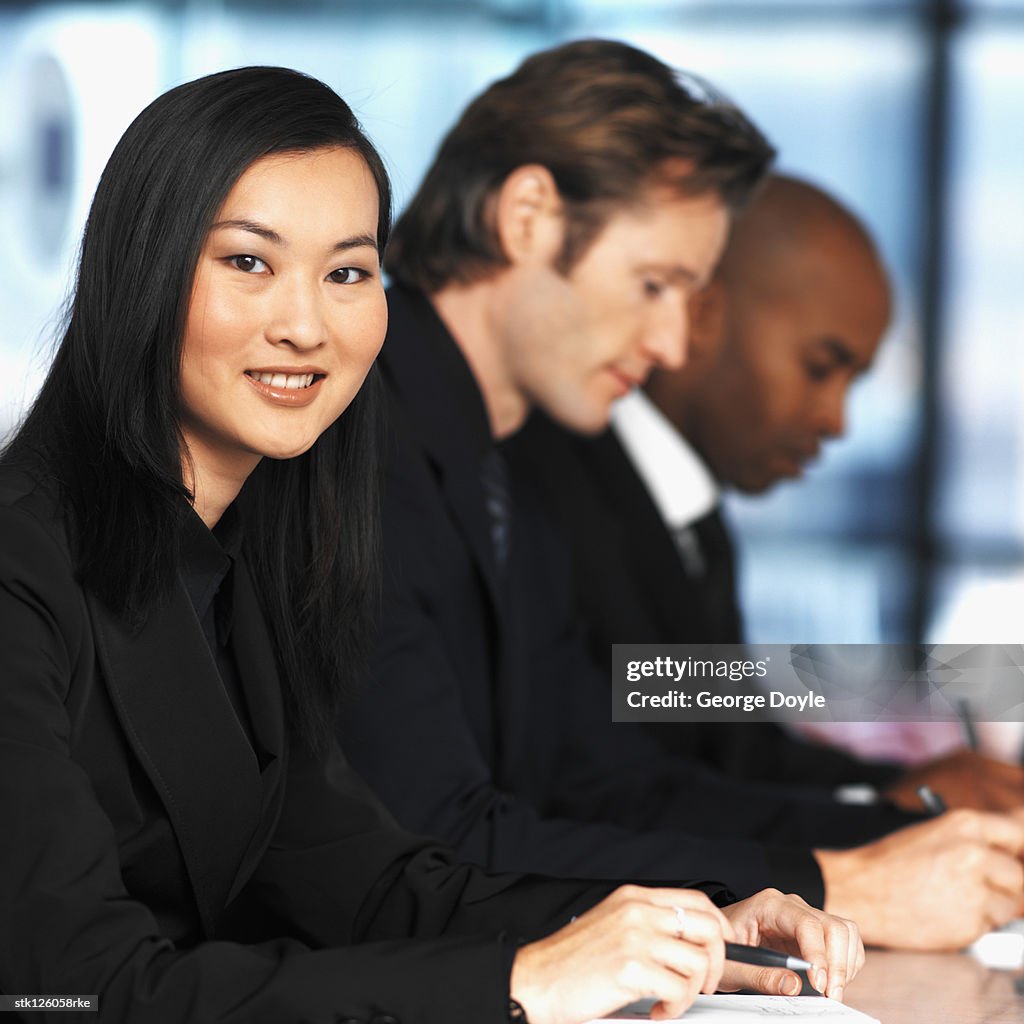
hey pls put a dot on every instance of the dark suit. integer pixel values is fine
(480, 723)
(632, 586)
(151, 854)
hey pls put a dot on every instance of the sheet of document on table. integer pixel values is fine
(1003, 948)
(734, 1009)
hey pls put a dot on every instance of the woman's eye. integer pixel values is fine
(347, 275)
(248, 264)
(653, 288)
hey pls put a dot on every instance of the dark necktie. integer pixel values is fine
(498, 501)
(706, 552)
(690, 553)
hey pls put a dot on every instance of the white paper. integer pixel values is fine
(734, 1009)
(1002, 949)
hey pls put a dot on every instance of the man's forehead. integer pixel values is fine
(664, 210)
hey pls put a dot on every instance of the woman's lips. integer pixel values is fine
(286, 389)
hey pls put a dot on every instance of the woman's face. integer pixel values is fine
(287, 311)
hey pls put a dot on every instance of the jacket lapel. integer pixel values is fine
(465, 499)
(257, 670)
(181, 725)
(652, 554)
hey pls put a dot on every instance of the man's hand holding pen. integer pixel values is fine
(933, 886)
(965, 778)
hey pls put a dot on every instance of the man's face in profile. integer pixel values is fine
(582, 339)
(793, 344)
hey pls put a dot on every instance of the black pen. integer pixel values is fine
(761, 957)
(967, 726)
(933, 803)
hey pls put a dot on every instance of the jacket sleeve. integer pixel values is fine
(760, 750)
(712, 804)
(414, 736)
(346, 887)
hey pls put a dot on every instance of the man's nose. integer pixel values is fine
(665, 342)
(832, 411)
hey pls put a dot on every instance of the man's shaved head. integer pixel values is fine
(797, 309)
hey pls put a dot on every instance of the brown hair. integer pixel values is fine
(607, 120)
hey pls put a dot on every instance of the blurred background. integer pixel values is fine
(911, 111)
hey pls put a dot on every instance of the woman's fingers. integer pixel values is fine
(831, 944)
(772, 981)
(638, 943)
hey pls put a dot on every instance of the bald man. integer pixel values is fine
(793, 316)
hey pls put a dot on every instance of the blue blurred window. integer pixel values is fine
(846, 88)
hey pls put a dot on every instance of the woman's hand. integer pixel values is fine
(665, 944)
(787, 923)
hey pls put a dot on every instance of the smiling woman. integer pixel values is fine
(145, 410)
(286, 317)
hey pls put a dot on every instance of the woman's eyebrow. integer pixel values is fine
(353, 242)
(250, 225)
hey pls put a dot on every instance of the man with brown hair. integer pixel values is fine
(547, 261)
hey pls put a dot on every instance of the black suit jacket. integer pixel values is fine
(153, 855)
(480, 723)
(631, 586)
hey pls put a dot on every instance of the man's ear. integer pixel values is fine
(706, 310)
(528, 215)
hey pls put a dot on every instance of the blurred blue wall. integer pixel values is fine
(841, 88)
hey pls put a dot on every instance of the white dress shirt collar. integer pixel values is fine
(680, 484)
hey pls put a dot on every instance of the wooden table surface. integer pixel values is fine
(935, 988)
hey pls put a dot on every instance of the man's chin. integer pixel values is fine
(762, 481)
(587, 422)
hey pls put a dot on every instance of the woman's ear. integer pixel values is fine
(528, 216)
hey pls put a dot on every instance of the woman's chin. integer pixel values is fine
(282, 453)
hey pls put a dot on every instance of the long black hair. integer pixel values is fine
(106, 419)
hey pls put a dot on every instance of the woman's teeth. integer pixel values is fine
(283, 380)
